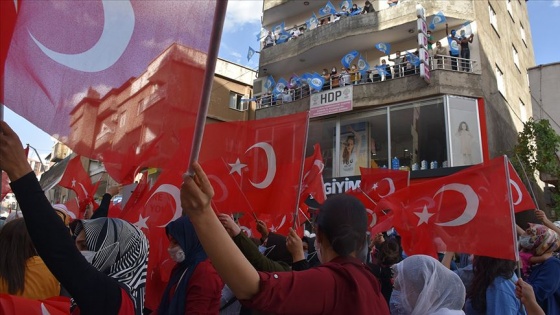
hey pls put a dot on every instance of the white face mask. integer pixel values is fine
(305, 254)
(88, 255)
(318, 250)
(176, 253)
(262, 249)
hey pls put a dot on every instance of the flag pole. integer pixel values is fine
(528, 181)
(215, 37)
(512, 214)
(295, 223)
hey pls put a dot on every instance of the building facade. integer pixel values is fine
(448, 115)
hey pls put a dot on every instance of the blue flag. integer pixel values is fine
(346, 3)
(348, 58)
(279, 87)
(295, 81)
(269, 84)
(316, 81)
(453, 46)
(363, 65)
(357, 12)
(327, 9)
(413, 59)
(278, 28)
(250, 53)
(382, 70)
(262, 34)
(306, 77)
(312, 22)
(439, 18)
(384, 48)
(283, 37)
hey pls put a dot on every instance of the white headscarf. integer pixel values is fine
(428, 287)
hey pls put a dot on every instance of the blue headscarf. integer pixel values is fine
(183, 232)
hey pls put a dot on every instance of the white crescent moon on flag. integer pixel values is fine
(173, 192)
(84, 189)
(117, 32)
(470, 209)
(223, 187)
(519, 194)
(44, 310)
(281, 224)
(271, 165)
(373, 217)
(391, 187)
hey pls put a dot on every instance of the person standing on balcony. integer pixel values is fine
(368, 7)
(327, 76)
(439, 53)
(454, 42)
(335, 77)
(269, 40)
(344, 77)
(465, 51)
(399, 62)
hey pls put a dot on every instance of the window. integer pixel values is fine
(515, 57)
(522, 111)
(500, 81)
(493, 18)
(122, 120)
(509, 9)
(235, 102)
(523, 34)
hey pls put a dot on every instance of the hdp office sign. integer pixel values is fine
(331, 101)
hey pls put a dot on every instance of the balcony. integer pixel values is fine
(327, 44)
(379, 92)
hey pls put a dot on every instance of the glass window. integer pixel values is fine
(500, 81)
(321, 132)
(418, 136)
(515, 57)
(523, 34)
(509, 8)
(493, 18)
(465, 144)
(235, 101)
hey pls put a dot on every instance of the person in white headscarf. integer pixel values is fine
(425, 286)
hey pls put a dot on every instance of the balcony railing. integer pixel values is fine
(400, 70)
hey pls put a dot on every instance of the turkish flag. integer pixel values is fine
(379, 183)
(11, 304)
(109, 78)
(470, 211)
(312, 183)
(151, 209)
(77, 179)
(6, 189)
(259, 168)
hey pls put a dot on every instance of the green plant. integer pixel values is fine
(536, 149)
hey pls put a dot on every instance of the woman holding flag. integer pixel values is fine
(346, 285)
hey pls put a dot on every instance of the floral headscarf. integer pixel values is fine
(539, 239)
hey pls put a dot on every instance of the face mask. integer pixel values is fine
(88, 255)
(318, 251)
(526, 242)
(176, 253)
(262, 249)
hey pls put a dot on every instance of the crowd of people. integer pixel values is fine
(339, 268)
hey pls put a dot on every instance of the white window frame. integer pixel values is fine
(493, 17)
(236, 103)
(509, 8)
(500, 81)
(515, 57)
(523, 34)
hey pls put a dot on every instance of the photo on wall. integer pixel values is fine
(464, 132)
(353, 148)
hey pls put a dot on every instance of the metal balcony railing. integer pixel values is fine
(398, 70)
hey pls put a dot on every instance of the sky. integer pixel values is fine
(243, 22)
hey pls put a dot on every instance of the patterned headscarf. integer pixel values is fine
(121, 253)
(539, 239)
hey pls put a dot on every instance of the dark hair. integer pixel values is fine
(343, 220)
(345, 153)
(466, 125)
(389, 253)
(15, 248)
(486, 269)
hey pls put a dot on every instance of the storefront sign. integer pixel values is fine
(331, 101)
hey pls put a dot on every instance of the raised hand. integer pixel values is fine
(231, 227)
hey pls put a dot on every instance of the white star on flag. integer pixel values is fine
(142, 222)
(73, 182)
(424, 216)
(237, 167)
(375, 186)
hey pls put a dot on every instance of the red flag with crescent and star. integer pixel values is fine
(470, 212)
(77, 179)
(110, 79)
(520, 196)
(312, 182)
(260, 167)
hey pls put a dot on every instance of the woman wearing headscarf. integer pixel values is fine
(341, 285)
(425, 286)
(22, 271)
(194, 286)
(104, 269)
(544, 277)
(492, 290)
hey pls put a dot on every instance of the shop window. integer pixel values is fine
(323, 132)
(464, 131)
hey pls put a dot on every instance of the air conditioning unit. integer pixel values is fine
(258, 87)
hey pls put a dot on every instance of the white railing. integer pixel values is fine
(399, 70)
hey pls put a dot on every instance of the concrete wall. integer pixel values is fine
(544, 81)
